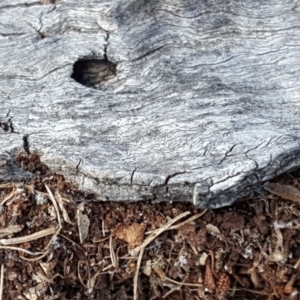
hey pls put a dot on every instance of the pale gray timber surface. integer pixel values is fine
(204, 106)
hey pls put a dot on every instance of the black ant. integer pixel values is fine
(7, 125)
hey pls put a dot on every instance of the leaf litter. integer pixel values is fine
(56, 243)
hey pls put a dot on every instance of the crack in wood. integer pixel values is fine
(131, 177)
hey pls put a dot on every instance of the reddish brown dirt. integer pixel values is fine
(110, 250)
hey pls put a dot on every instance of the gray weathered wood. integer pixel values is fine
(204, 106)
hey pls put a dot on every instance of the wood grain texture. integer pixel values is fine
(204, 106)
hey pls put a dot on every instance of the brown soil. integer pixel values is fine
(56, 243)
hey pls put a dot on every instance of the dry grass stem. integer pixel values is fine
(113, 256)
(107, 268)
(36, 258)
(83, 251)
(140, 249)
(79, 275)
(7, 185)
(92, 281)
(157, 232)
(1, 280)
(183, 283)
(290, 284)
(52, 198)
(297, 265)
(62, 208)
(100, 240)
(8, 197)
(28, 238)
(136, 276)
(10, 229)
(254, 292)
(167, 294)
(189, 220)
(21, 250)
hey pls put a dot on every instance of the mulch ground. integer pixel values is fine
(57, 243)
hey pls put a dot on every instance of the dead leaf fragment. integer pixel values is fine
(285, 191)
(186, 229)
(235, 223)
(132, 234)
(83, 223)
(212, 229)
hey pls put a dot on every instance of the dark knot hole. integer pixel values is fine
(93, 72)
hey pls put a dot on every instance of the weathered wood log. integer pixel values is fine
(169, 100)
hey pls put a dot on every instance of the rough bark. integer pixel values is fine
(200, 101)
